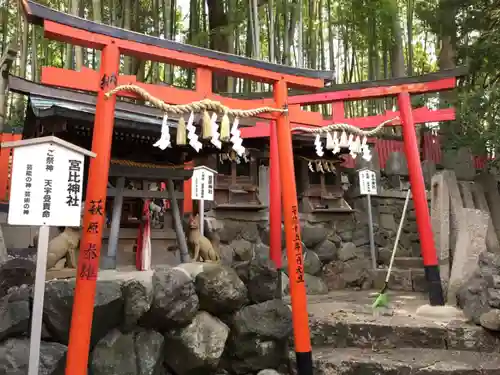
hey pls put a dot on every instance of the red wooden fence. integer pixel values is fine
(431, 150)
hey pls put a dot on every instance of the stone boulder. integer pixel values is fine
(262, 281)
(268, 372)
(58, 306)
(284, 257)
(15, 313)
(220, 291)
(314, 285)
(258, 337)
(313, 235)
(491, 320)
(241, 269)
(227, 254)
(461, 161)
(472, 297)
(250, 231)
(16, 272)
(271, 320)
(14, 357)
(312, 263)
(265, 234)
(135, 353)
(198, 347)
(138, 296)
(174, 300)
(396, 164)
(262, 251)
(326, 251)
(230, 231)
(481, 293)
(353, 269)
(243, 249)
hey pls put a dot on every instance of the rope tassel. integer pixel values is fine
(206, 132)
(224, 128)
(181, 132)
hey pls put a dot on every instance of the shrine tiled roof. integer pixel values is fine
(130, 163)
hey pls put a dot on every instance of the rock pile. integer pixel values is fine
(331, 253)
(191, 319)
(479, 297)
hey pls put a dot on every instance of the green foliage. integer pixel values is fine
(478, 104)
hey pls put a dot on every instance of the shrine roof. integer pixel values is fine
(38, 13)
(49, 101)
(457, 72)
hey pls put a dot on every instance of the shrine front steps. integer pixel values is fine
(348, 330)
(348, 338)
(354, 361)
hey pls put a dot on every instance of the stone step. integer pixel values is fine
(349, 330)
(406, 263)
(407, 280)
(353, 361)
(346, 319)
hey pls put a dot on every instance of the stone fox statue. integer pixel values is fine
(200, 246)
(63, 249)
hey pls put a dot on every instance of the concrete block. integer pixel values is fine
(440, 219)
(470, 243)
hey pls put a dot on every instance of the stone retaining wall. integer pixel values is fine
(197, 318)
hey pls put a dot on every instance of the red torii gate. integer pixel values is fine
(113, 41)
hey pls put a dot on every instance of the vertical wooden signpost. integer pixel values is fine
(46, 191)
(203, 190)
(368, 187)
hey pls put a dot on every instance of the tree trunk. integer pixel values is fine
(331, 50)
(397, 54)
(248, 46)
(286, 39)
(167, 29)
(219, 41)
(34, 54)
(23, 60)
(256, 29)
(231, 14)
(155, 68)
(300, 39)
(127, 25)
(271, 31)
(372, 57)
(97, 17)
(409, 32)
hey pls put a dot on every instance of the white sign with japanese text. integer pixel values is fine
(203, 184)
(367, 182)
(46, 187)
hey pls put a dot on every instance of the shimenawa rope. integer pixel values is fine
(199, 106)
(345, 127)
